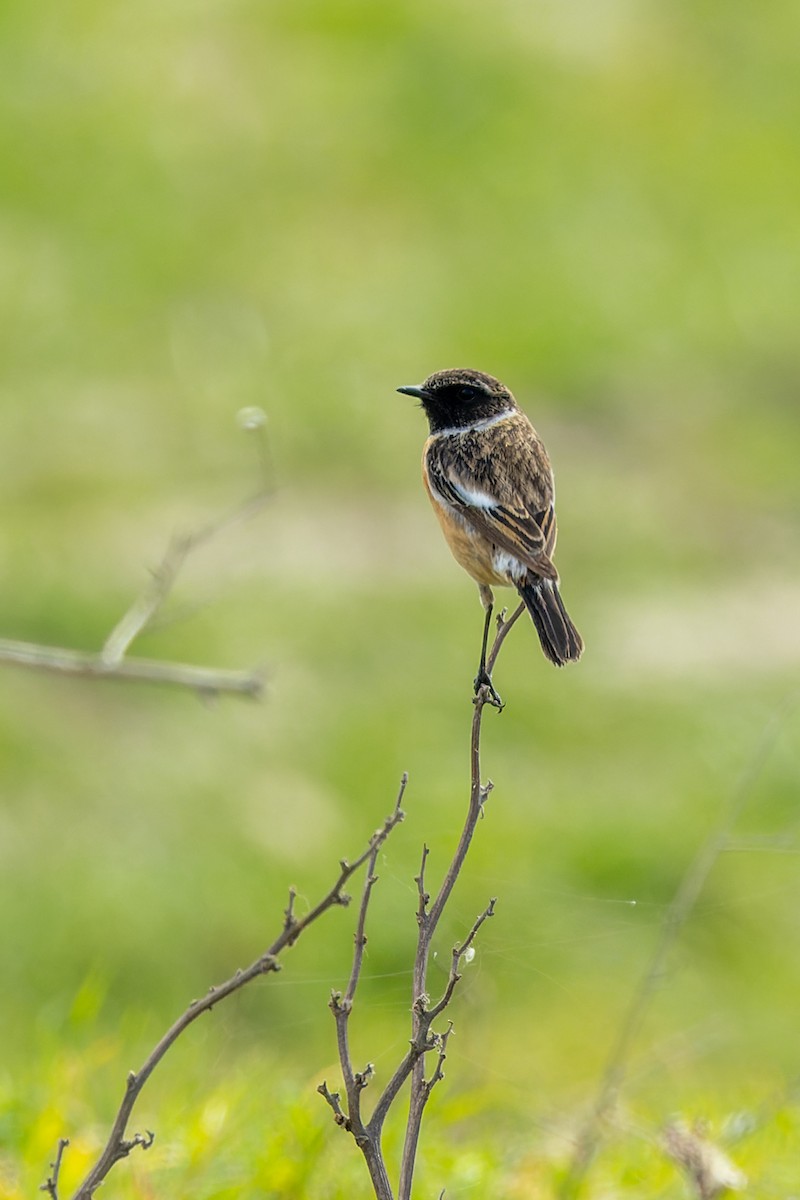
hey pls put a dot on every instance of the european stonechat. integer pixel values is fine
(490, 482)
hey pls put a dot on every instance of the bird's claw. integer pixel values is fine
(483, 683)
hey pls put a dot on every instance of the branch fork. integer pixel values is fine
(112, 662)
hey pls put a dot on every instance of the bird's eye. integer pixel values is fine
(468, 392)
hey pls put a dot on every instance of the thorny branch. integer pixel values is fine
(118, 1146)
(111, 662)
(424, 1039)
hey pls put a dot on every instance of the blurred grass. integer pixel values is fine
(301, 206)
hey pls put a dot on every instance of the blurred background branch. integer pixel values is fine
(111, 662)
(207, 681)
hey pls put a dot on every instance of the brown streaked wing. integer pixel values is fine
(454, 468)
(546, 521)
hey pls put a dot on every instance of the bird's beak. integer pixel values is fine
(411, 390)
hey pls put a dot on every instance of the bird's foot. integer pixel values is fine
(483, 683)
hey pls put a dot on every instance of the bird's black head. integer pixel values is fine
(460, 397)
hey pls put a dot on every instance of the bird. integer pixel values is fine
(490, 482)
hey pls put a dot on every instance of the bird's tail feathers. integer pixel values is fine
(560, 640)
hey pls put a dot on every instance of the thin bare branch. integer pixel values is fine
(289, 919)
(419, 880)
(51, 1183)
(145, 607)
(356, 1081)
(111, 662)
(342, 1006)
(438, 1071)
(150, 601)
(478, 793)
(148, 604)
(334, 1100)
(458, 953)
(422, 1039)
(360, 935)
(117, 1146)
(206, 681)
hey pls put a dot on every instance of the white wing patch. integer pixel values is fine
(472, 496)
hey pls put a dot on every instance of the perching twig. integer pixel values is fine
(118, 1146)
(111, 661)
(422, 1014)
(424, 1039)
(678, 912)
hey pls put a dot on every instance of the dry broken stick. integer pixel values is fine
(424, 1039)
(118, 1146)
(111, 662)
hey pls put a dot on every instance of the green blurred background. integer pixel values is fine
(301, 205)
